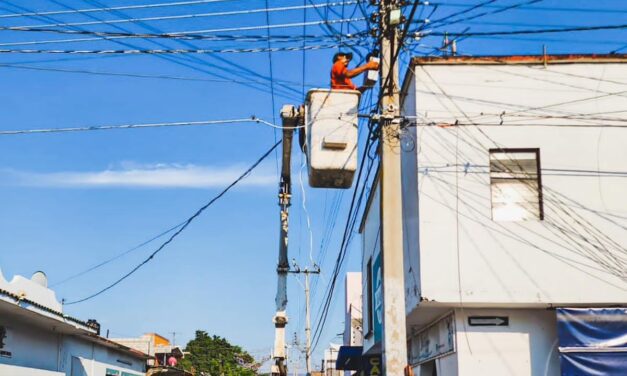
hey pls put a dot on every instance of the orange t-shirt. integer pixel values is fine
(339, 79)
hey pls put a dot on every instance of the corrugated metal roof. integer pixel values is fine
(521, 59)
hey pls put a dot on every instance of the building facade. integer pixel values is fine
(159, 348)
(38, 339)
(513, 176)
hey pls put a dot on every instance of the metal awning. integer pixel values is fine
(350, 358)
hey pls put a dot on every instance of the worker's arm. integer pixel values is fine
(371, 65)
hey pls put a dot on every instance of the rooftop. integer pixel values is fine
(520, 59)
(30, 301)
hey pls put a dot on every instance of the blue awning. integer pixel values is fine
(592, 341)
(349, 358)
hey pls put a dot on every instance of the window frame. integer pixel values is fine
(535, 151)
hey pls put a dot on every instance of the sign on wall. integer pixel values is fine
(373, 365)
(434, 341)
(488, 320)
(4, 340)
(377, 293)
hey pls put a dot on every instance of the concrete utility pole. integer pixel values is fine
(290, 116)
(307, 272)
(394, 332)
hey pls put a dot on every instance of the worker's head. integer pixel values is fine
(344, 57)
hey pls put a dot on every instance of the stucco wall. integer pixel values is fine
(371, 247)
(463, 254)
(29, 347)
(526, 347)
(40, 350)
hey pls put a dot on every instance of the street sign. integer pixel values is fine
(488, 320)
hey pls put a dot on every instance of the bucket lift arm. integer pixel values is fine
(290, 117)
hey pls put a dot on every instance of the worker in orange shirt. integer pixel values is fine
(341, 75)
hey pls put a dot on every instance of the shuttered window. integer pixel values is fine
(516, 186)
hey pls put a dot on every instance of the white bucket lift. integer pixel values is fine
(331, 118)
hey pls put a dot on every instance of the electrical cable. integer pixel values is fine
(116, 257)
(534, 8)
(188, 16)
(171, 51)
(252, 119)
(500, 10)
(173, 59)
(519, 32)
(108, 9)
(138, 75)
(179, 231)
(237, 69)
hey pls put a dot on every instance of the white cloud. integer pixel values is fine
(133, 175)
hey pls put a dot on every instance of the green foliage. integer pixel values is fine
(215, 356)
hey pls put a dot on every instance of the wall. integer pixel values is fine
(26, 371)
(371, 248)
(411, 242)
(353, 307)
(464, 256)
(96, 359)
(526, 347)
(39, 350)
(29, 346)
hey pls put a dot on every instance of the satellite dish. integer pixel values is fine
(40, 278)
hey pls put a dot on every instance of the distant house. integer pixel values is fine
(38, 339)
(158, 347)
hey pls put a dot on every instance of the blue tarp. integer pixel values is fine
(592, 341)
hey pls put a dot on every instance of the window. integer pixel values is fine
(370, 306)
(516, 184)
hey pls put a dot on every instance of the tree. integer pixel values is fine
(215, 356)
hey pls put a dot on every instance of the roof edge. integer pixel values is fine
(520, 59)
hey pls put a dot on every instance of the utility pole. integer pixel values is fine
(307, 272)
(394, 331)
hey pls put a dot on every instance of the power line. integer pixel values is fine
(139, 75)
(467, 10)
(238, 70)
(536, 8)
(172, 51)
(190, 34)
(173, 59)
(192, 15)
(118, 256)
(111, 36)
(108, 9)
(252, 119)
(180, 230)
(500, 10)
(350, 222)
(518, 32)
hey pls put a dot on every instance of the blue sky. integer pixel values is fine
(72, 200)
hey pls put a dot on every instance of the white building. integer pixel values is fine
(514, 181)
(38, 339)
(329, 360)
(353, 335)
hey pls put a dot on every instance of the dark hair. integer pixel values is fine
(349, 55)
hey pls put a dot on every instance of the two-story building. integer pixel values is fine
(514, 175)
